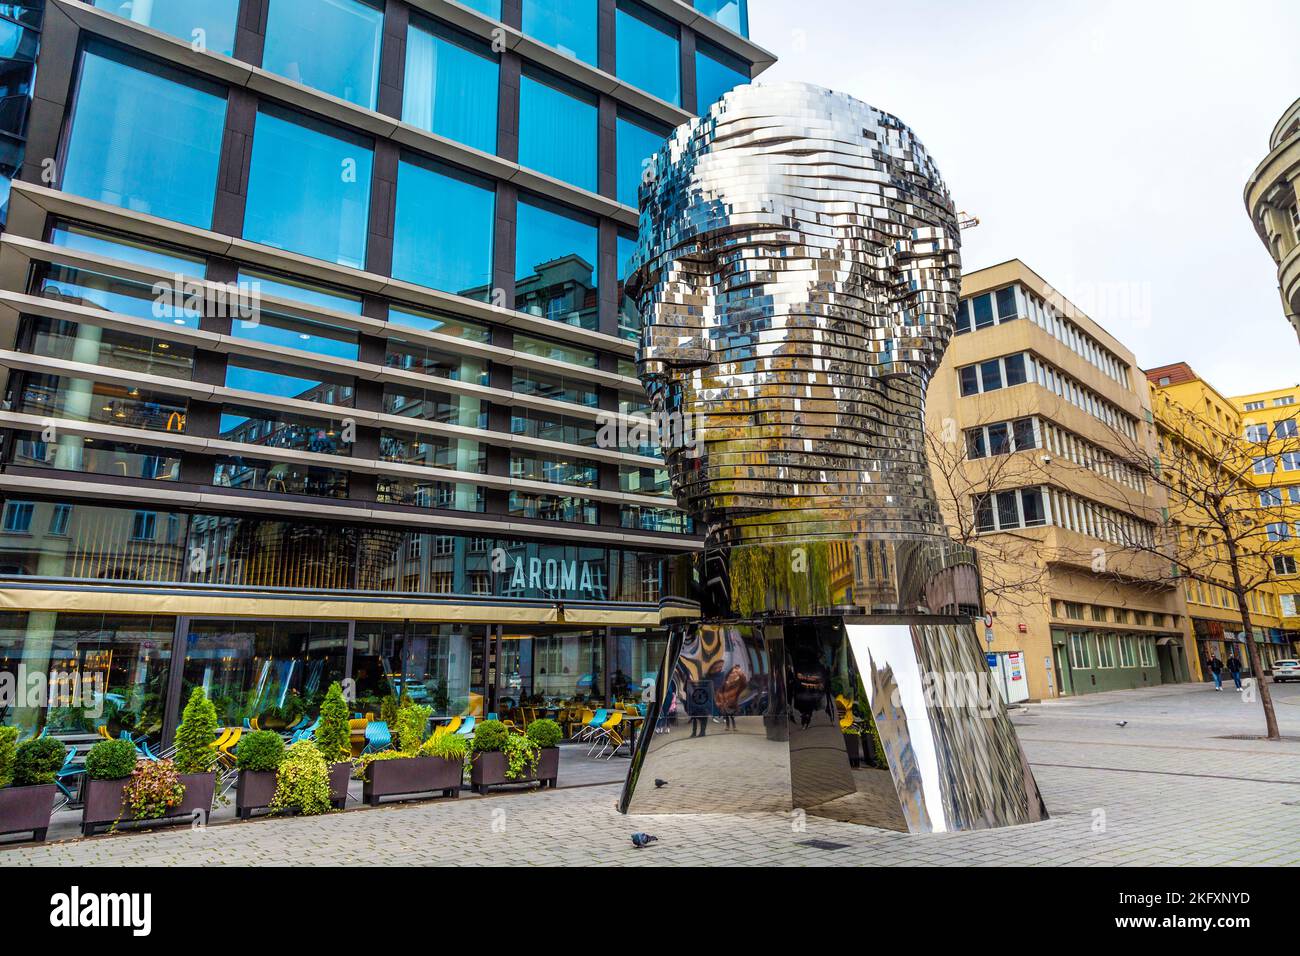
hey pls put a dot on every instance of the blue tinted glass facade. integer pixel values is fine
(555, 264)
(318, 204)
(648, 52)
(636, 142)
(443, 233)
(329, 45)
(451, 86)
(629, 317)
(557, 130)
(144, 138)
(732, 14)
(715, 73)
(491, 8)
(207, 23)
(567, 25)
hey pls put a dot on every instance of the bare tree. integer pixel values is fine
(1215, 533)
(1013, 568)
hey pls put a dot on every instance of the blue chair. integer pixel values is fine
(377, 737)
(466, 728)
(65, 779)
(305, 734)
(300, 725)
(594, 725)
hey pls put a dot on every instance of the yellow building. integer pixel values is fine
(1273, 202)
(1032, 422)
(1270, 421)
(1186, 407)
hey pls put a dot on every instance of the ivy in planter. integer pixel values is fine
(111, 760)
(8, 753)
(37, 760)
(334, 735)
(194, 737)
(546, 733)
(260, 751)
(302, 784)
(154, 790)
(521, 752)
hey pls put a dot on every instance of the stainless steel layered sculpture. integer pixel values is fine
(798, 271)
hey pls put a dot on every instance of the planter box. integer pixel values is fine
(340, 774)
(390, 778)
(27, 808)
(104, 800)
(853, 745)
(489, 770)
(253, 791)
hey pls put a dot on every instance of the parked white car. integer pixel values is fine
(1285, 670)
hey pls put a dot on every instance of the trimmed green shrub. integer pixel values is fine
(260, 750)
(545, 733)
(446, 746)
(334, 735)
(196, 734)
(111, 760)
(302, 784)
(8, 753)
(412, 719)
(489, 736)
(37, 760)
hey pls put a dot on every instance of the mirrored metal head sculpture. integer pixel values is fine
(798, 273)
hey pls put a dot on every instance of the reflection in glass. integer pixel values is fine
(284, 478)
(567, 25)
(319, 204)
(637, 140)
(110, 404)
(207, 22)
(144, 137)
(716, 72)
(555, 264)
(95, 291)
(330, 45)
(548, 105)
(451, 85)
(127, 249)
(732, 14)
(266, 378)
(451, 325)
(92, 345)
(648, 52)
(429, 664)
(440, 208)
(98, 456)
(629, 316)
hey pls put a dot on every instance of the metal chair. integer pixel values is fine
(377, 737)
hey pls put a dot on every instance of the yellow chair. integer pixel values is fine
(584, 716)
(450, 727)
(608, 736)
(102, 730)
(357, 734)
(226, 750)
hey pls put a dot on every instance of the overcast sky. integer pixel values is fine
(1106, 144)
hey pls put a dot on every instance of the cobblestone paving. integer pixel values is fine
(1163, 790)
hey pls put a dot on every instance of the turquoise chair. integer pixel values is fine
(466, 727)
(65, 778)
(306, 733)
(377, 737)
(595, 724)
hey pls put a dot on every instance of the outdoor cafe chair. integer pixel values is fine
(607, 735)
(377, 737)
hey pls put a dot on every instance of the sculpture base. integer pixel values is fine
(892, 723)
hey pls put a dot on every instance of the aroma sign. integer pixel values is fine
(551, 575)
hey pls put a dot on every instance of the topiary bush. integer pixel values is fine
(259, 751)
(195, 735)
(37, 760)
(111, 760)
(334, 735)
(490, 736)
(447, 746)
(545, 733)
(8, 753)
(412, 719)
(302, 784)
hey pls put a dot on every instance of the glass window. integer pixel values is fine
(555, 257)
(732, 14)
(440, 208)
(629, 316)
(318, 204)
(145, 137)
(329, 45)
(205, 24)
(108, 404)
(270, 378)
(567, 25)
(275, 671)
(286, 288)
(126, 249)
(647, 52)
(491, 8)
(451, 85)
(1007, 303)
(637, 141)
(442, 324)
(983, 306)
(79, 342)
(716, 73)
(557, 129)
(991, 375)
(293, 332)
(95, 291)
(426, 663)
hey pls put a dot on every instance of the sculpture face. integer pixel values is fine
(798, 274)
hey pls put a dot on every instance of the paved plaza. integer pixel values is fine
(1169, 788)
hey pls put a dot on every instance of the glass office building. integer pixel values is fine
(308, 340)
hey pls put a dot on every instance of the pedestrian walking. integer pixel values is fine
(1234, 668)
(1216, 670)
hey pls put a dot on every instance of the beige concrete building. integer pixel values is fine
(1273, 201)
(1033, 419)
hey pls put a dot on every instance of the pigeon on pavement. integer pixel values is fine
(640, 840)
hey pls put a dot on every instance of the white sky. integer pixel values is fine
(1104, 143)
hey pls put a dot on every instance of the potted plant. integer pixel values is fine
(501, 757)
(334, 741)
(257, 758)
(417, 765)
(547, 734)
(152, 792)
(27, 782)
(109, 766)
(302, 784)
(195, 758)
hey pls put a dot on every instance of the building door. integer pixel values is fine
(1061, 660)
(1168, 666)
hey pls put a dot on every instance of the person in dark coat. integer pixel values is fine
(1216, 670)
(1234, 668)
